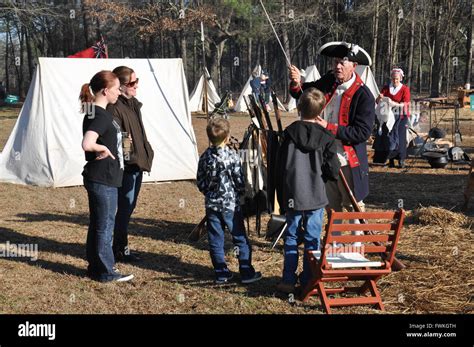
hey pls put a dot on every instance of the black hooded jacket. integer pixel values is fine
(307, 158)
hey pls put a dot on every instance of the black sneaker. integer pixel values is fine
(126, 258)
(223, 276)
(257, 276)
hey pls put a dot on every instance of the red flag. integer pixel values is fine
(99, 50)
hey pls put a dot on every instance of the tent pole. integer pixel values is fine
(204, 72)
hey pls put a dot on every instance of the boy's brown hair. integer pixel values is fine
(311, 103)
(217, 130)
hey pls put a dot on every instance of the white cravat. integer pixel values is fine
(331, 114)
(394, 90)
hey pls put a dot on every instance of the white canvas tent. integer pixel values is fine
(240, 104)
(196, 100)
(44, 147)
(365, 73)
(311, 74)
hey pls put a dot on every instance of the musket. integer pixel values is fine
(263, 124)
(277, 112)
(265, 112)
(198, 230)
(251, 113)
(258, 112)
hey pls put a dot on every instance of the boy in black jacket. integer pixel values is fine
(306, 160)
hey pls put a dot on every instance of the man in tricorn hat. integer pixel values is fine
(349, 115)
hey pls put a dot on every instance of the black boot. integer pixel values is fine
(391, 163)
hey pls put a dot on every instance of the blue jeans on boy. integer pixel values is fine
(312, 223)
(127, 200)
(216, 222)
(102, 207)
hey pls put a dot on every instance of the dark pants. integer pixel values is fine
(385, 141)
(216, 223)
(401, 154)
(127, 200)
(102, 207)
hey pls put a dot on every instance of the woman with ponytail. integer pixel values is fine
(102, 144)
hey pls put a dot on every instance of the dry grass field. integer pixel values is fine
(175, 275)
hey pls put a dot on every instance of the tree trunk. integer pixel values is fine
(436, 66)
(182, 44)
(249, 51)
(420, 63)
(249, 56)
(470, 45)
(388, 58)
(215, 60)
(86, 23)
(375, 30)
(29, 54)
(259, 53)
(162, 45)
(412, 46)
(231, 71)
(448, 68)
(395, 41)
(19, 59)
(286, 44)
(7, 75)
(265, 54)
(194, 60)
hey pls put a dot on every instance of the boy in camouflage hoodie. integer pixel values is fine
(220, 179)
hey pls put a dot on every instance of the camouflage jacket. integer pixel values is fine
(220, 178)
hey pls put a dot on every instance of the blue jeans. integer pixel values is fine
(102, 207)
(312, 223)
(216, 222)
(127, 200)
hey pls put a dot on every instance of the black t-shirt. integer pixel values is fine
(106, 171)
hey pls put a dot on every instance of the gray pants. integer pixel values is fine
(337, 195)
(339, 199)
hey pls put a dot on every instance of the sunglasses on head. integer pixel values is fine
(132, 83)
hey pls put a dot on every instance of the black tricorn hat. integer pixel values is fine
(351, 51)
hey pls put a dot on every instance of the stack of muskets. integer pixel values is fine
(264, 132)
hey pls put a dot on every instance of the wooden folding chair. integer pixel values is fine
(341, 260)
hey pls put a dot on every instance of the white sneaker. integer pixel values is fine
(124, 278)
